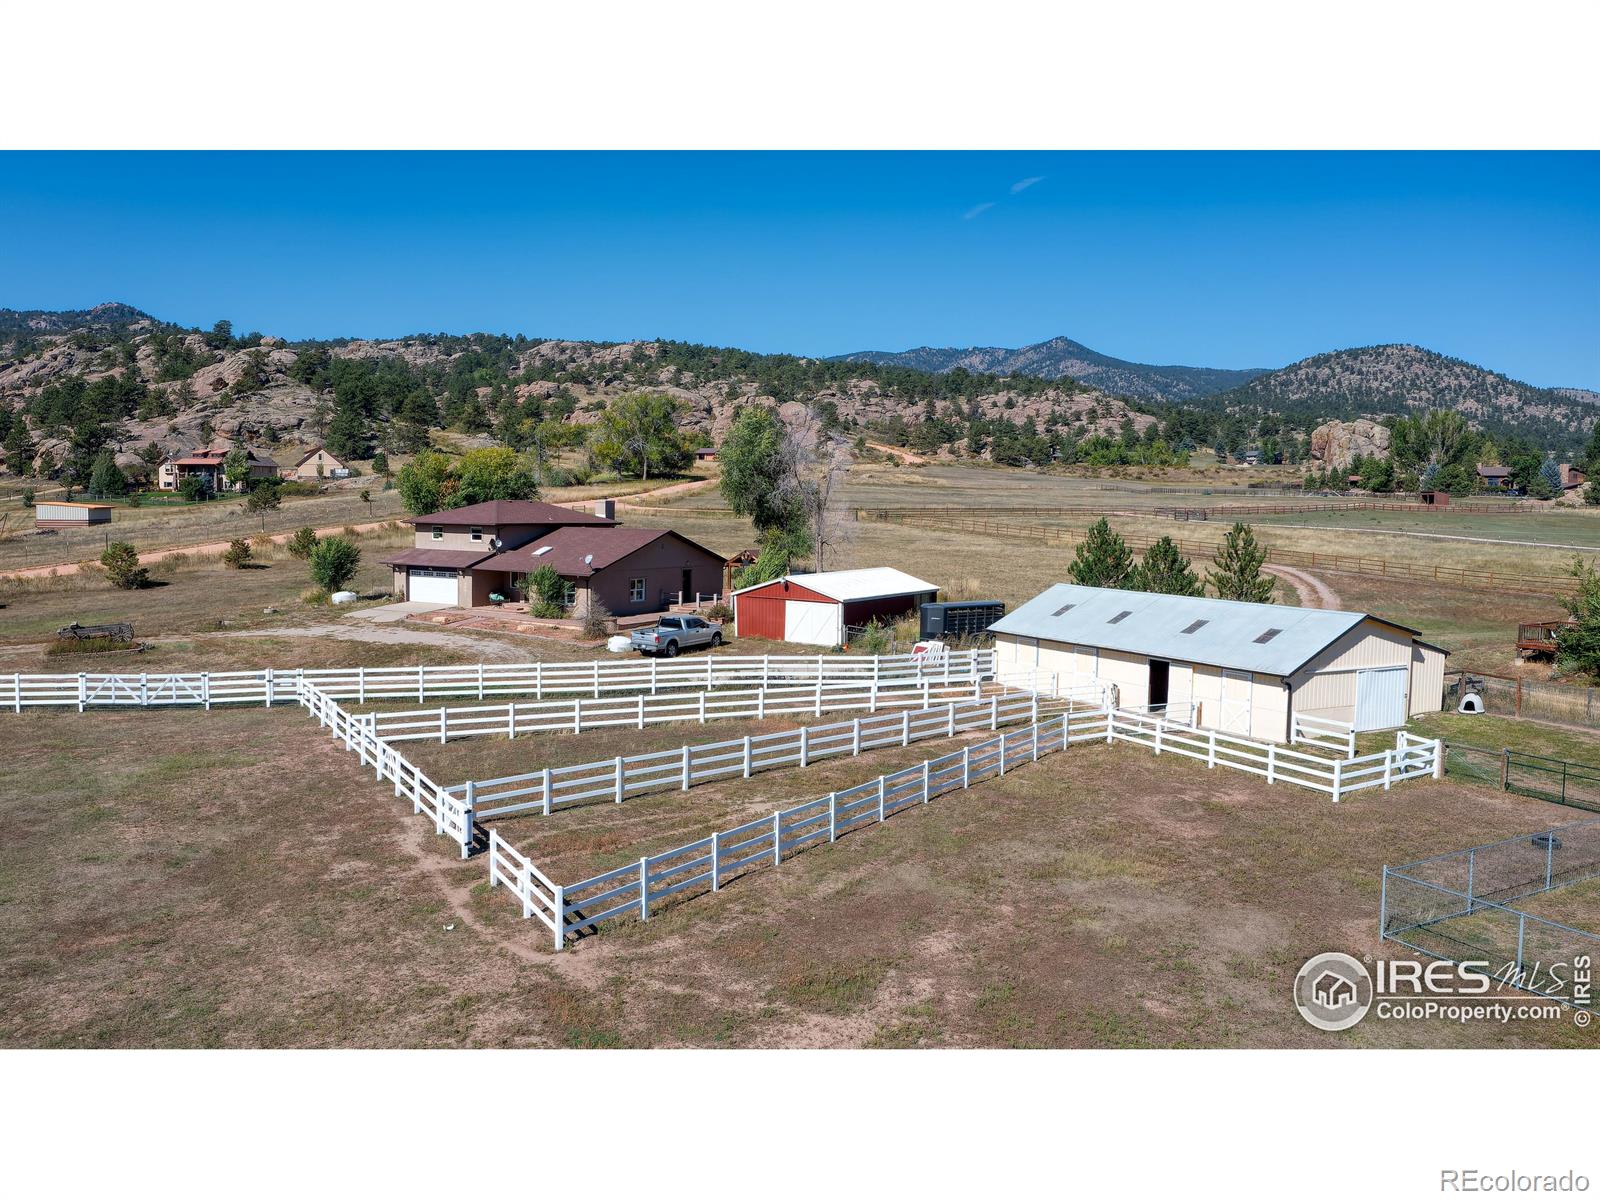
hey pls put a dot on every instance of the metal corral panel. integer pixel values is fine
(1196, 629)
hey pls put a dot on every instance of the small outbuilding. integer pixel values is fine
(1247, 669)
(817, 609)
(64, 514)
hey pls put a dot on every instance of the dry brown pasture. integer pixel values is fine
(234, 878)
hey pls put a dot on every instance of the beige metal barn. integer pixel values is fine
(65, 514)
(1247, 669)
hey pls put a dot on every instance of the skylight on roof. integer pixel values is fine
(1195, 625)
(1063, 609)
(541, 550)
(1268, 636)
(1127, 612)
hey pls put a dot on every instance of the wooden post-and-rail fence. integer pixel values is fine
(1411, 572)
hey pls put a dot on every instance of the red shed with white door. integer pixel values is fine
(816, 609)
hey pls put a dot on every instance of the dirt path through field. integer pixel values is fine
(152, 556)
(910, 457)
(1313, 592)
(663, 493)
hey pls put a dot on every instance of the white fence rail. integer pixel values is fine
(616, 779)
(708, 863)
(1324, 733)
(1411, 757)
(451, 817)
(635, 712)
(481, 680)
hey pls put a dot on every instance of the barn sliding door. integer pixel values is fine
(1381, 698)
(1234, 708)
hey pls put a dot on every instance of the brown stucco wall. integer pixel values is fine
(660, 565)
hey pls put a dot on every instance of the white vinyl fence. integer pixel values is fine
(1324, 733)
(451, 818)
(636, 712)
(1411, 758)
(633, 889)
(615, 779)
(706, 864)
(593, 677)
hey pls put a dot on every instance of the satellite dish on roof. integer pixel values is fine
(587, 559)
(494, 543)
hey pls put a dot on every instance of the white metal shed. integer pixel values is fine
(817, 609)
(1235, 667)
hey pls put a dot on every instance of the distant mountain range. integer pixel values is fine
(1377, 381)
(1055, 384)
(1062, 357)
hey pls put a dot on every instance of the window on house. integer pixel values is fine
(571, 597)
(636, 590)
(1195, 626)
(477, 533)
(438, 533)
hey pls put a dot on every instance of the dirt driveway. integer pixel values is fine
(1313, 592)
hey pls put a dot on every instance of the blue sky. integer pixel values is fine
(1228, 260)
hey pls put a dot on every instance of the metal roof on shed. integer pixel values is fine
(868, 583)
(1218, 633)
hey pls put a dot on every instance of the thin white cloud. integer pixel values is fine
(1023, 185)
(977, 210)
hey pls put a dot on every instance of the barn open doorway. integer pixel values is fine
(687, 586)
(1159, 673)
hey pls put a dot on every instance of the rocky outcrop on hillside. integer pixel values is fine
(1375, 381)
(272, 410)
(1336, 444)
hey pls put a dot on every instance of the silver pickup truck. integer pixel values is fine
(671, 634)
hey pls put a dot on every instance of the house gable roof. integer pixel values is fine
(312, 453)
(566, 548)
(510, 512)
(1219, 633)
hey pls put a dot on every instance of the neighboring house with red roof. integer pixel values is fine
(462, 555)
(210, 463)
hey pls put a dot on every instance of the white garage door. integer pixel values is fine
(811, 622)
(432, 587)
(1381, 698)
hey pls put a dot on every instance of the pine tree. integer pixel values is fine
(19, 448)
(1550, 472)
(1238, 575)
(348, 437)
(106, 478)
(1165, 570)
(1103, 559)
(1578, 643)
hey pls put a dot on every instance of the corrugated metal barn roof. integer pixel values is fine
(868, 583)
(1275, 639)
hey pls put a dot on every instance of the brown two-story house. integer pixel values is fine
(463, 555)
